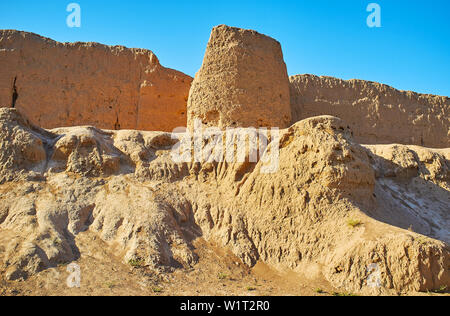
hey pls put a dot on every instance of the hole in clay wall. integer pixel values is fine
(15, 95)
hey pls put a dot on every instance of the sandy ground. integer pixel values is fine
(218, 273)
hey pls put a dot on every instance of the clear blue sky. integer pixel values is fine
(411, 51)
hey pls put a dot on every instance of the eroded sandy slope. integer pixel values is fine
(334, 207)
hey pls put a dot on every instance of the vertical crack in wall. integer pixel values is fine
(15, 95)
(117, 124)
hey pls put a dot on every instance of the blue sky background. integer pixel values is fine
(411, 51)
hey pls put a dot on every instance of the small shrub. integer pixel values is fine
(222, 276)
(443, 289)
(354, 223)
(320, 291)
(135, 263)
(343, 294)
(110, 285)
(157, 289)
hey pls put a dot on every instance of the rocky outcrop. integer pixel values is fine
(243, 82)
(70, 84)
(327, 209)
(377, 113)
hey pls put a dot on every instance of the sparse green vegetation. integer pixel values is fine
(110, 285)
(222, 276)
(157, 289)
(135, 263)
(343, 294)
(320, 291)
(354, 223)
(251, 288)
(443, 289)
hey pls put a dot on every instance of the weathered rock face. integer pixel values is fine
(124, 188)
(377, 114)
(243, 82)
(72, 84)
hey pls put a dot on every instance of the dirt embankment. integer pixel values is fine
(328, 210)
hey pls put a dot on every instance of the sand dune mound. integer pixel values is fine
(327, 210)
(322, 213)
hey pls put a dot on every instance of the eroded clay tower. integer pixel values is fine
(243, 82)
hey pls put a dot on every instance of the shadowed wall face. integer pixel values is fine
(56, 84)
